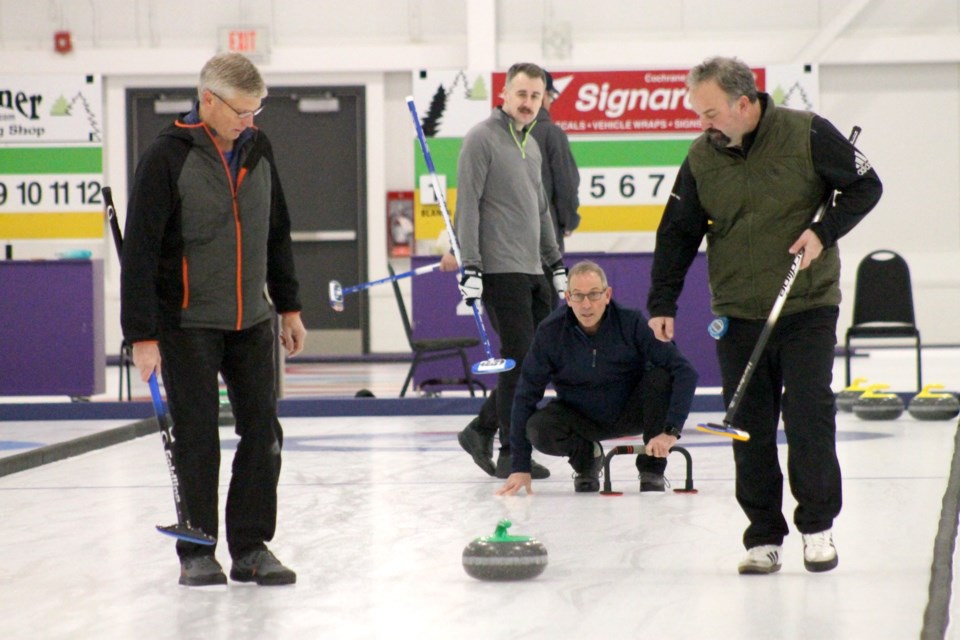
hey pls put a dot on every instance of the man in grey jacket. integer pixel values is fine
(505, 232)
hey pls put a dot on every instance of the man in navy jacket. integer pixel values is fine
(613, 378)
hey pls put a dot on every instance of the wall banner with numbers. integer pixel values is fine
(629, 131)
(51, 157)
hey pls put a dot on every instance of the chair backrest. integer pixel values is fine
(403, 307)
(883, 291)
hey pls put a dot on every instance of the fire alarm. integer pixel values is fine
(62, 42)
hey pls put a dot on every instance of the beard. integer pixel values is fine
(717, 138)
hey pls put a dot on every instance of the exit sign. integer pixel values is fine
(253, 42)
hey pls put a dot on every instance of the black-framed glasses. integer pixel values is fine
(240, 114)
(592, 296)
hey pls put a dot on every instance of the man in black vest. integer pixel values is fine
(751, 183)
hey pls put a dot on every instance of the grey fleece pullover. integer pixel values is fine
(502, 220)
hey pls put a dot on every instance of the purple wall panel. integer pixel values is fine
(51, 328)
(435, 300)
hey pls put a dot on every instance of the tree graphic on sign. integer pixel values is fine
(62, 108)
(431, 121)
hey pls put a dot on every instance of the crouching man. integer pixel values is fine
(613, 378)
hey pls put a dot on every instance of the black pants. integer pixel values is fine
(794, 375)
(560, 430)
(192, 359)
(515, 304)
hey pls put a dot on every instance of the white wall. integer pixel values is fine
(889, 66)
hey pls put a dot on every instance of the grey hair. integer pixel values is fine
(528, 69)
(587, 266)
(231, 74)
(733, 76)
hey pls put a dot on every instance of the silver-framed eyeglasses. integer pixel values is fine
(243, 114)
(592, 296)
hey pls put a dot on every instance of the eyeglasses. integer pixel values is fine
(592, 296)
(243, 114)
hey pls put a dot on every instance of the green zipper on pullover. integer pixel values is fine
(520, 145)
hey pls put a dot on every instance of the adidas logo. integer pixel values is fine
(863, 165)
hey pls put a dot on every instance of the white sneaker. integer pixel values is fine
(762, 559)
(819, 553)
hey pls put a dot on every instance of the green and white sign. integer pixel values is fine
(51, 157)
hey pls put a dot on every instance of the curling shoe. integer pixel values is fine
(201, 571)
(764, 558)
(479, 446)
(819, 552)
(587, 480)
(652, 482)
(262, 567)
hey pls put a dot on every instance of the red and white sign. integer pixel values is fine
(253, 42)
(621, 102)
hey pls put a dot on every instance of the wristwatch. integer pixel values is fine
(671, 430)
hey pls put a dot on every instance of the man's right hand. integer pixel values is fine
(471, 285)
(662, 328)
(146, 357)
(515, 482)
(448, 262)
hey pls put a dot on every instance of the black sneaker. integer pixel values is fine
(588, 480)
(650, 481)
(479, 446)
(262, 567)
(537, 470)
(201, 571)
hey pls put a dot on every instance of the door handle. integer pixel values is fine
(346, 235)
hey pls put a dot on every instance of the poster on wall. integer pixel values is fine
(399, 223)
(51, 157)
(629, 132)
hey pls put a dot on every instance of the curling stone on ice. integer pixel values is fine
(504, 557)
(927, 405)
(851, 394)
(875, 405)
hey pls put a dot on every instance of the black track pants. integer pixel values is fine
(793, 375)
(560, 430)
(192, 359)
(515, 304)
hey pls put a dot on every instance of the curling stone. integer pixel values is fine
(225, 417)
(504, 557)
(848, 396)
(927, 405)
(874, 405)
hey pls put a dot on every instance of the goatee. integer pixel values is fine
(717, 138)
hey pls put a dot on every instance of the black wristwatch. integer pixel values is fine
(671, 430)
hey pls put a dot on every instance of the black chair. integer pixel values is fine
(435, 349)
(883, 304)
(126, 359)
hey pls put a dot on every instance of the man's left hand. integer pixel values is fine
(560, 278)
(811, 245)
(659, 447)
(293, 334)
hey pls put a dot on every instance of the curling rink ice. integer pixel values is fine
(375, 513)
